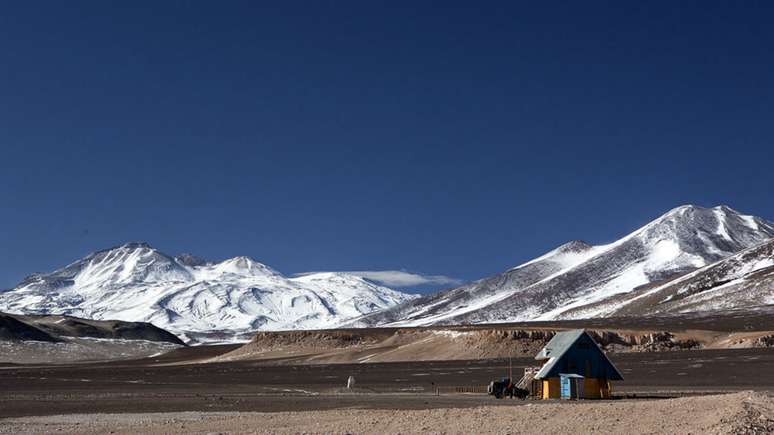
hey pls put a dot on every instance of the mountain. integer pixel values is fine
(742, 281)
(577, 280)
(54, 339)
(12, 328)
(199, 300)
(53, 328)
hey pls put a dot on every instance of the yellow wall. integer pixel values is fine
(552, 388)
(593, 388)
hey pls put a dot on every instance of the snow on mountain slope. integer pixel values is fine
(198, 300)
(576, 280)
(742, 281)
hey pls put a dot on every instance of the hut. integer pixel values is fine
(574, 367)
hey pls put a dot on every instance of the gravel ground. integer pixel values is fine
(77, 349)
(738, 413)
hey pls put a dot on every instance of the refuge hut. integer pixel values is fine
(574, 367)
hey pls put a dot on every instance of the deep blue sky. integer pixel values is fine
(441, 138)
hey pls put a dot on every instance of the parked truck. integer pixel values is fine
(505, 387)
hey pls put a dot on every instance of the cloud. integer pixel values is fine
(399, 278)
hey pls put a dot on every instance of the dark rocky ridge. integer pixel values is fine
(54, 328)
(12, 328)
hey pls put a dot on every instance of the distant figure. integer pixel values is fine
(350, 382)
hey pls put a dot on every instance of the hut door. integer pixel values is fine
(588, 369)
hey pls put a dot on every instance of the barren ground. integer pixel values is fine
(291, 383)
(168, 384)
(721, 330)
(744, 412)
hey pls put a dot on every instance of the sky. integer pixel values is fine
(445, 140)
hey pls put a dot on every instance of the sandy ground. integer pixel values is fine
(744, 413)
(76, 349)
(159, 385)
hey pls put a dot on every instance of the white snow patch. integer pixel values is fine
(721, 230)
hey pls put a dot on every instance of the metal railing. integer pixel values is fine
(461, 389)
(529, 375)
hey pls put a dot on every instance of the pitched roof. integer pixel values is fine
(560, 344)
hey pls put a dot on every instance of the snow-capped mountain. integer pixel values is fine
(194, 298)
(578, 280)
(742, 281)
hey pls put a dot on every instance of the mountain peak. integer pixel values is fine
(243, 262)
(573, 246)
(692, 208)
(242, 258)
(726, 209)
(684, 210)
(190, 260)
(709, 233)
(136, 245)
(244, 265)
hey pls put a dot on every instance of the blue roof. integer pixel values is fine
(560, 343)
(575, 352)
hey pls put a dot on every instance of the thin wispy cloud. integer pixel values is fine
(400, 278)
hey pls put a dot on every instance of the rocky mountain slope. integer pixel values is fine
(742, 281)
(195, 299)
(54, 328)
(578, 280)
(725, 329)
(41, 339)
(14, 329)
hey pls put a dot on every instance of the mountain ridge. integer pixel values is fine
(195, 298)
(576, 274)
(200, 300)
